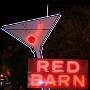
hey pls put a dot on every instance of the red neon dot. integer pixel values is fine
(31, 39)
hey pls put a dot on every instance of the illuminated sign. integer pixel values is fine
(57, 73)
(33, 33)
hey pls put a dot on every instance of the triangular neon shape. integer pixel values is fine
(33, 33)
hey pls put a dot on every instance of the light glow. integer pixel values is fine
(39, 27)
(1, 75)
(42, 65)
(57, 66)
(36, 79)
(50, 80)
(76, 81)
(64, 81)
(31, 39)
(74, 63)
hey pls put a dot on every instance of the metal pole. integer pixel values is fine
(39, 55)
(47, 9)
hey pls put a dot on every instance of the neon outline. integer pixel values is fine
(33, 79)
(39, 26)
(44, 67)
(50, 82)
(63, 81)
(76, 79)
(75, 63)
(26, 44)
(55, 66)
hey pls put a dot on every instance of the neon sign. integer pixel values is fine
(31, 39)
(57, 73)
(33, 33)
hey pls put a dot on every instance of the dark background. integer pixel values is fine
(63, 46)
(14, 11)
(31, 9)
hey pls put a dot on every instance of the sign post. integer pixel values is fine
(39, 55)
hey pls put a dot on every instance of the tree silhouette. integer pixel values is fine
(3, 46)
(71, 36)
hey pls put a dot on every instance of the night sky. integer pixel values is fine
(28, 10)
(31, 9)
(13, 9)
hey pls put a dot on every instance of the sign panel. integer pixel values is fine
(58, 73)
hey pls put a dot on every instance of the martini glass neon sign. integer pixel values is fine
(33, 33)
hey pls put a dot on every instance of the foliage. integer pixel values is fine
(18, 62)
(3, 47)
(71, 36)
